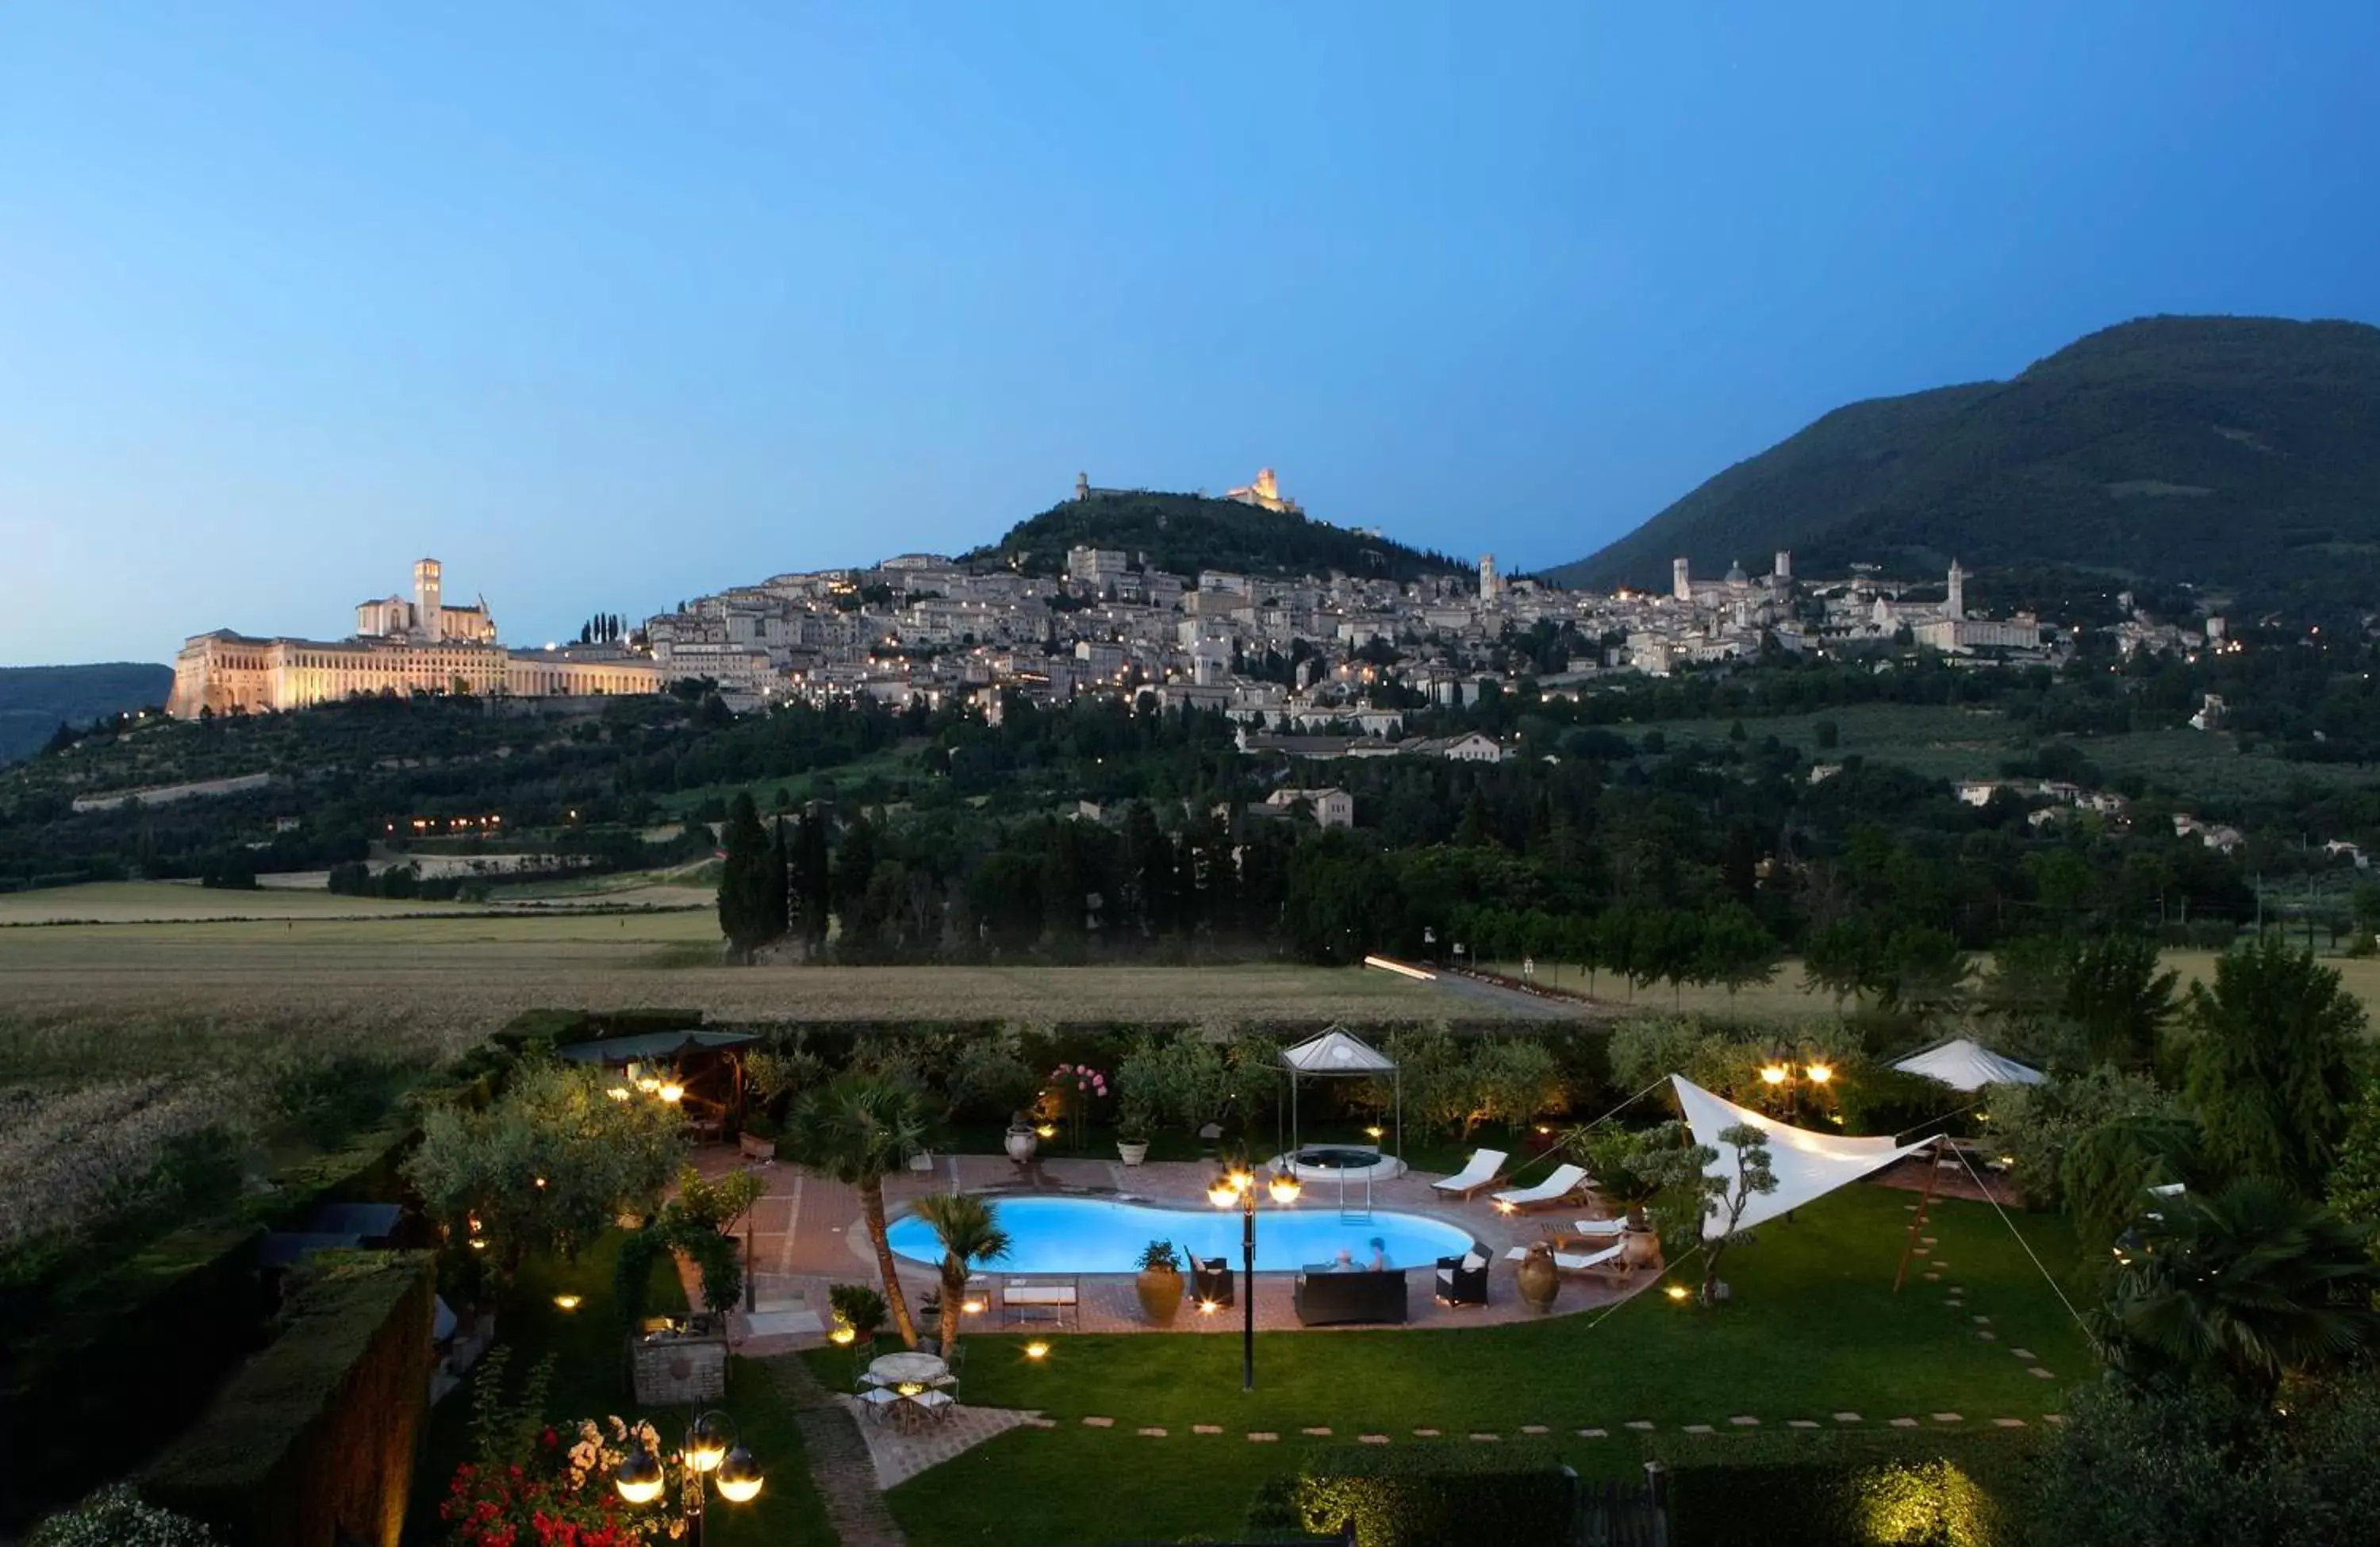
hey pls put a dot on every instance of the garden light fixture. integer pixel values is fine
(1036, 1350)
(639, 1477)
(739, 1477)
(1773, 1075)
(566, 1302)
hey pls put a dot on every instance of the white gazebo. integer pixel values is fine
(1967, 1065)
(1340, 1053)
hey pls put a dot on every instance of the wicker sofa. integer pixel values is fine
(1327, 1299)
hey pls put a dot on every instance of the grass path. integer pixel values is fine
(1814, 1331)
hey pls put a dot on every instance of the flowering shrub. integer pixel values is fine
(1085, 1079)
(561, 1496)
(115, 1516)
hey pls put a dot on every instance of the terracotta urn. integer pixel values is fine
(1021, 1141)
(1540, 1280)
(1160, 1294)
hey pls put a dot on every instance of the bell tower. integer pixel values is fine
(429, 599)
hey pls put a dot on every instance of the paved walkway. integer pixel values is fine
(901, 1453)
(840, 1458)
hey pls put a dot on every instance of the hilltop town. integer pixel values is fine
(1286, 652)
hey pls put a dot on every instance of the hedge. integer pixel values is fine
(1825, 1490)
(167, 1323)
(171, 1320)
(318, 1435)
(1436, 1495)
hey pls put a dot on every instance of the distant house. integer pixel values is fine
(1331, 807)
(1470, 747)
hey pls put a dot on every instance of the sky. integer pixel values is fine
(608, 306)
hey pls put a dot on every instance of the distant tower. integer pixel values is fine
(1082, 487)
(1491, 585)
(1680, 586)
(1956, 607)
(1784, 567)
(429, 599)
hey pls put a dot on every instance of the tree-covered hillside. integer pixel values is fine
(35, 700)
(2237, 452)
(1182, 534)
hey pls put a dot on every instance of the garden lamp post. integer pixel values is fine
(1781, 1074)
(711, 1457)
(1237, 1189)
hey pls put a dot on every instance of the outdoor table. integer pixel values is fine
(908, 1370)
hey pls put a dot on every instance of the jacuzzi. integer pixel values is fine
(1354, 1164)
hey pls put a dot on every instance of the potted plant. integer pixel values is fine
(1021, 1140)
(1160, 1284)
(1135, 1121)
(757, 1139)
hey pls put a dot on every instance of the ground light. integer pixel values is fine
(1675, 1291)
(1036, 1350)
(566, 1302)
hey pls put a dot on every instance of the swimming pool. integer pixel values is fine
(1104, 1236)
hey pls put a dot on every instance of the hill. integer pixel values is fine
(35, 700)
(2241, 454)
(1182, 534)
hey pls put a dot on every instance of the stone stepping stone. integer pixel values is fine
(1700, 1429)
(1933, 1278)
(2025, 1354)
(1926, 1241)
(1372, 1439)
(1743, 1422)
(1534, 1429)
(1594, 1434)
(1800, 1423)
(2007, 1423)
(2040, 1374)
(1426, 1433)
(1983, 1320)
(1934, 1264)
(2053, 1417)
(1904, 1423)
(1320, 1433)
(1099, 1423)
(1847, 1418)
(1642, 1425)
(1948, 1418)
(1037, 1422)
(1486, 1439)
(1152, 1433)
(1262, 1437)
(1206, 1428)
(1989, 1335)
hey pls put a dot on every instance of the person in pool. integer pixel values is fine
(1381, 1263)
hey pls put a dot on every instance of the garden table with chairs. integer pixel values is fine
(907, 1386)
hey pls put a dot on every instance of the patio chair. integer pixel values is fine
(1463, 1280)
(1575, 1262)
(935, 1405)
(1566, 1180)
(1596, 1229)
(1485, 1168)
(878, 1402)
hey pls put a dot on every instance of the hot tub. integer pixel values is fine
(1340, 1162)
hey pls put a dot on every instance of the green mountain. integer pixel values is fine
(1182, 534)
(34, 700)
(2241, 454)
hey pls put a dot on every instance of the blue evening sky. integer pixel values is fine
(610, 305)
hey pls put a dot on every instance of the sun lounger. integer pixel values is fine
(1574, 1263)
(1485, 1168)
(1021, 1301)
(1556, 1188)
(1609, 1229)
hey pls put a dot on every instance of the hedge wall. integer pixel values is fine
(1833, 1489)
(1438, 1495)
(319, 1433)
(167, 1323)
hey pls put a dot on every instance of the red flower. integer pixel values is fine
(549, 1439)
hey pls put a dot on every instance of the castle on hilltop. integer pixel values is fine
(400, 647)
(1265, 491)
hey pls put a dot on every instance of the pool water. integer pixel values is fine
(1101, 1236)
(1336, 1158)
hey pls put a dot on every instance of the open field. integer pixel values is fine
(1814, 1330)
(465, 976)
(180, 902)
(1946, 743)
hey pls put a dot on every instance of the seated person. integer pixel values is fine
(1381, 1263)
(1345, 1262)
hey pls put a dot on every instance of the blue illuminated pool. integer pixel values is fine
(1101, 1236)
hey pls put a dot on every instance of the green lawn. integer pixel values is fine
(589, 1381)
(1813, 1329)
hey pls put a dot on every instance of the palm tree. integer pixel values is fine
(969, 1229)
(854, 1131)
(2251, 1283)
